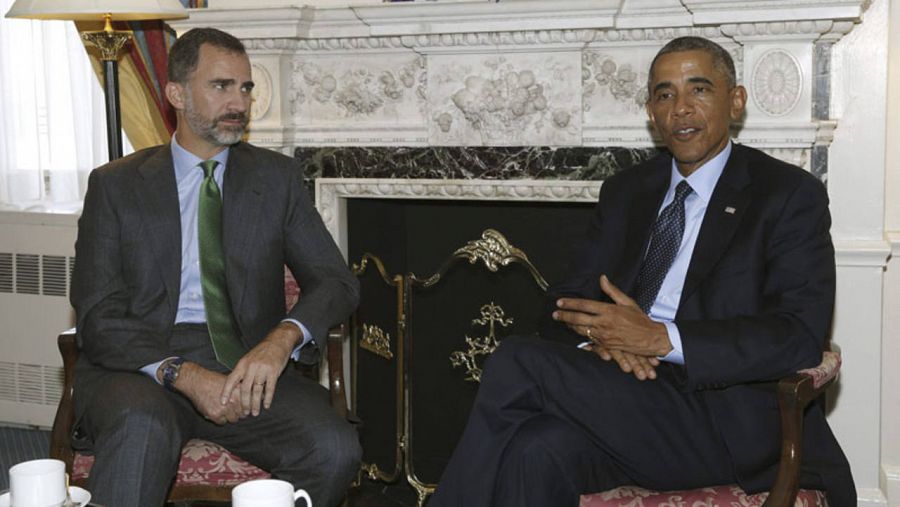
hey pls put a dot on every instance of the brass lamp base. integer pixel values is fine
(109, 43)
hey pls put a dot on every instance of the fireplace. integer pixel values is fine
(432, 309)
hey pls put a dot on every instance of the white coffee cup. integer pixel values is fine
(37, 483)
(267, 493)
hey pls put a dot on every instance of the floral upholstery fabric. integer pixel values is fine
(291, 290)
(202, 463)
(719, 496)
(827, 369)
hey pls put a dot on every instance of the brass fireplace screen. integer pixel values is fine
(419, 344)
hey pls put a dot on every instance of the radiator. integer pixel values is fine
(36, 260)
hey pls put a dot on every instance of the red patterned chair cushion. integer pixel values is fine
(202, 463)
(291, 290)
(827, 369)
(718, 496)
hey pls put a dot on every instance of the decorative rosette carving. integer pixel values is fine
(777, 82)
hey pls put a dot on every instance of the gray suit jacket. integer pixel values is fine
(126, 281)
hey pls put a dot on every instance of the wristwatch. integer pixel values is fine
(171, 369)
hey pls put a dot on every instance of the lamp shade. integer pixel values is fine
(96, 10)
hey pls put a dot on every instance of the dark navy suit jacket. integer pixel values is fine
(756, 305)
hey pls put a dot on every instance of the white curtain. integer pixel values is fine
(52, 116)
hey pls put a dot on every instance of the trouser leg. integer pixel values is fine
(550, 462)
(300, 439)
(656, 435)
(137, 429)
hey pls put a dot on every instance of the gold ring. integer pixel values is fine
(589, 332)
(260, 384)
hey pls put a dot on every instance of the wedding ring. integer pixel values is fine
(589, 333)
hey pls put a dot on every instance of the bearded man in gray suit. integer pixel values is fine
(156, 293)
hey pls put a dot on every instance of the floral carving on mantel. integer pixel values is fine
(504, 100)
(777, 82)
(602, 74)
(350, 90)
(614, 83)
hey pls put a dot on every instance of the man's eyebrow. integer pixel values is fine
(222, 81)
(693, 80)
(662, 84)
(700, 79)
(248, 84)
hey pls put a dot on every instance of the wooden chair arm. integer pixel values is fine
(335, 358)
(794, 394)
(61, 434)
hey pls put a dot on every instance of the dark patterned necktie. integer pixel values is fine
(664, 244)
(219, 319)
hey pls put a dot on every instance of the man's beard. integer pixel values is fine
(209, 128)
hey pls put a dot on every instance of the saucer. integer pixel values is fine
(80, 496)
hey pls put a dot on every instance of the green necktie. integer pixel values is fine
(219, 319)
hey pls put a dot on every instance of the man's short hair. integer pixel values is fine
(721, 58)
(185, 53)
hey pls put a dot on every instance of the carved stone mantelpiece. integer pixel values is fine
(332, 194)
(518, 72)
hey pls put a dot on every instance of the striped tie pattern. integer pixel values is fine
(219, 319)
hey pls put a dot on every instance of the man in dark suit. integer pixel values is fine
(706, 274)
(179, 294)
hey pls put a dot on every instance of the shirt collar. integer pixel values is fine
(703, 180)
(185, 161)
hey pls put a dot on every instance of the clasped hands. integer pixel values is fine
(251, 384)
(620, 331)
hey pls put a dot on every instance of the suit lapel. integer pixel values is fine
(242, 205)
(157, 195)
(641, 215)
(727, 206)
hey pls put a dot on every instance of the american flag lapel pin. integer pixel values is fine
(730, 210)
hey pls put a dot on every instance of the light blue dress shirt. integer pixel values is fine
(703, 182)
(188, 177)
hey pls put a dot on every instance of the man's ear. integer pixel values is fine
(738, 102)
(175, 94)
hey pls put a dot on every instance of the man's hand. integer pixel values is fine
(203, 388)
(643, 367)
(621, 326)
(255, 375)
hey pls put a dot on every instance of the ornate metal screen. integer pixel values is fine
(427, 347)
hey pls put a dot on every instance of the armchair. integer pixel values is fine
(794, 394)
(206, 472)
